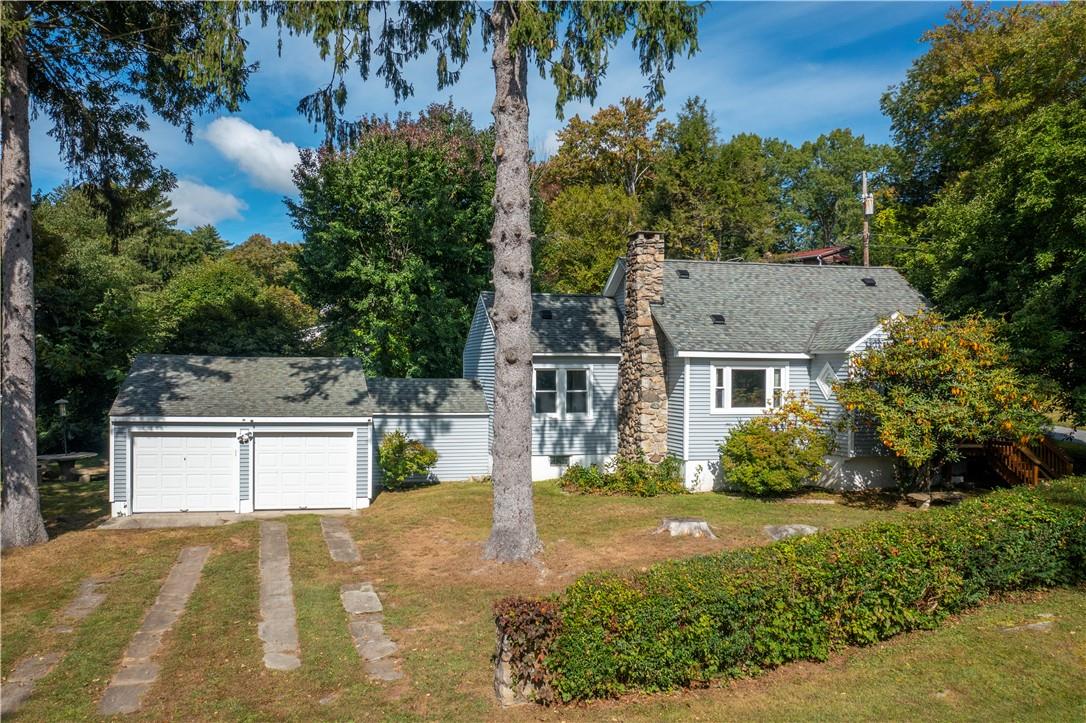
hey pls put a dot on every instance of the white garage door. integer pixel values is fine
(184, 472)
(303, 471)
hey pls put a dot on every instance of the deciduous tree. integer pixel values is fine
(397, 276)
(991, 123)
(934, 383)
(585, 231)
(617, 147)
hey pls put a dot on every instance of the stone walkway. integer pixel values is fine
(137, 672)
(363, 607)
(28, 671)
(278, 627)
(340, 543)
(368, 631)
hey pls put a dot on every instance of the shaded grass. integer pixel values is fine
(69, 505)
(422, 548)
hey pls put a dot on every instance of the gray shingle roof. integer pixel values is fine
(160, 385)
(414, 396)
(580, 324)
(777, 308)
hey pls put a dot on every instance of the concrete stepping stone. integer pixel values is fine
(368, 631)
(340, 543)
(20, 684)
(137, 672)
(278, 627)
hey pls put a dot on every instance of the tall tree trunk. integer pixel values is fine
(513, 535)
(20, 518)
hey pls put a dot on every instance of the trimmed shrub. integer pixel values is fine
(778, 452)
(636, 478)
(685, 622)
(403, 460)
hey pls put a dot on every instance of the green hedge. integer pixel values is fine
(685, 622)
(633, 477)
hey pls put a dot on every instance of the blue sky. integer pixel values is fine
(789, 70)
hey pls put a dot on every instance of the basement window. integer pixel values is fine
(559, 460)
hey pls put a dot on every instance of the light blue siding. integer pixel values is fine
(708, 430)
(597, 435)
(460, 442)
(676, 381)
(362, 466)
(244, 455)
(832, 411)
(119, 462)
(864, 438)
(478, 360)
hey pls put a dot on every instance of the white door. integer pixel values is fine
(186, 472)
(294, 470)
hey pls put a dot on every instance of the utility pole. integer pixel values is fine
(868, 201)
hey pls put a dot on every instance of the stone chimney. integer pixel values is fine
(642, 389)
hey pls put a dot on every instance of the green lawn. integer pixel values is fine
(421, 549)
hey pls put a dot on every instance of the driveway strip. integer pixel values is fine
(20, 684)
(279, 622)
(137, 672)
(340, 543)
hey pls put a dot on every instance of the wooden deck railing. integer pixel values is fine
(1017, 463)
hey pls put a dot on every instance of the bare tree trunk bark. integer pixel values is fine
(513, 535)
(20, 519)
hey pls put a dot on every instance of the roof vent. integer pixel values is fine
(718, 319)
(868, 281)
(683, 273)
(546, 314)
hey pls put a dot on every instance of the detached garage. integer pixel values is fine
(238, 434)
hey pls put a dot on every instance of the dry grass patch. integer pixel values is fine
(421, 549)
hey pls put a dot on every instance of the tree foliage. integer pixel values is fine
(820, 186)
(96, 70)
(713, 200)
(274, 262)
(616, 147)
(395, 249)
(218, 307)
(992, 125)
(934, 383)
(585, 231)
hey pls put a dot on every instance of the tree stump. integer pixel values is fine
(685, 527)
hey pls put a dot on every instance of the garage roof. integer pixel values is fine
(161, 385)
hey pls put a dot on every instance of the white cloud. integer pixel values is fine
(197, 204)
(266, 158)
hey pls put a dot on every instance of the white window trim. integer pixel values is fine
(827, 389)
(728, 408)
(560, 382)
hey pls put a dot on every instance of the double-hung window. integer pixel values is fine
(563, 392)
(576, 391)
(546, 391)
(747, 390)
